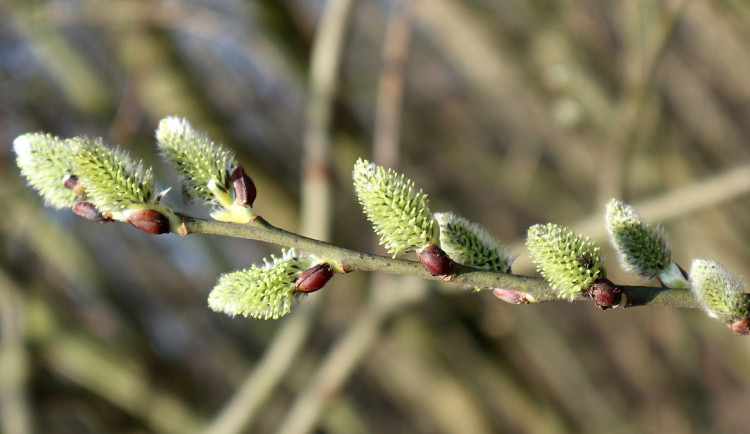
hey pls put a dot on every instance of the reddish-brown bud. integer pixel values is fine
(605, 294)
(435, 260)
(74, 184)
(741, 327)
(314, 278)
(88, 211)
(244, 188)
(510, 296)
(149, 220)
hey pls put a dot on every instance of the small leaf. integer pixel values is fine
(259, 292)
(399, 214)
(569, 262)
(720, 294)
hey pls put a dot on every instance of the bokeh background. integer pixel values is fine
(507, 112)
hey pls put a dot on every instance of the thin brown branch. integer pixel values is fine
(391, 84)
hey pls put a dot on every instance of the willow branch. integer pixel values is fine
(351, 260)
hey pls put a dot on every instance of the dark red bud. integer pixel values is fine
(149, 220)
(510, 296)
(741, 327)
(74, 184)
(88, 211)
(605, 294)
(435, 260)
(314, 278)
(244, 188)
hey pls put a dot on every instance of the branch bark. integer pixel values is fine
(351, 260)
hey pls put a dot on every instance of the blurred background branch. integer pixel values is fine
(509, 113)
(316, 208)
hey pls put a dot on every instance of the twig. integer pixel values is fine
(325, 61)
(247, 400)
(391, 84)
(346, 355)
(110, 374)
(15, 412)
(352, 260)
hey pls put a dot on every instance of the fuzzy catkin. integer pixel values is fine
(721, 294)
(398, 212)
(113, 182)
(570, 262)
(642, 248)
(198, 160)
(47, 161)
(468, 244)
(259, 292)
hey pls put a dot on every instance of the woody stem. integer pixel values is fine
(352, 260)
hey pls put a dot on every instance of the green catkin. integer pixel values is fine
(642, 248)
(570, 262)
(113, 182)
(261, 292)
(720, 294)
(468, 244)
(198, 160)
(47, 161)
(400, 215)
